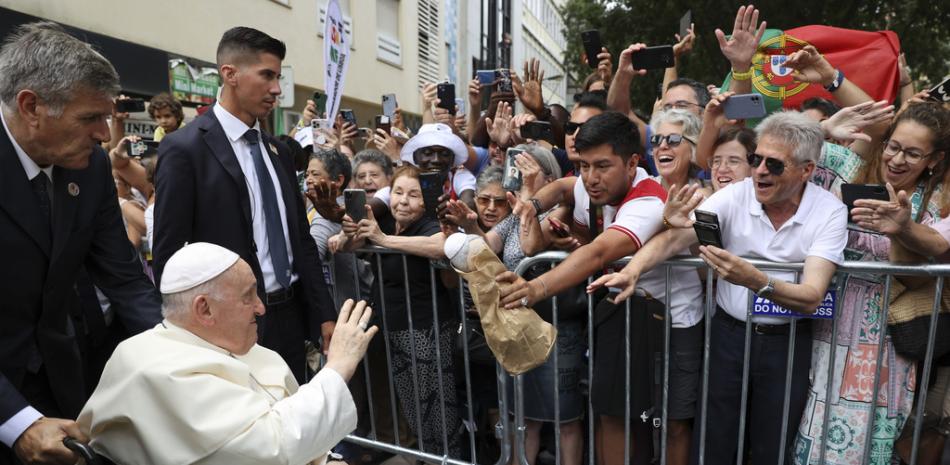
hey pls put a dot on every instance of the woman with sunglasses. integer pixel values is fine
(911, 158)
(675, 133)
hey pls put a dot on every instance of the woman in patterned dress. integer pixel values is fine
(910, 159)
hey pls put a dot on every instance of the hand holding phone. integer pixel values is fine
(446, 94)
(355, 202)
(852, 192)
(433, 186)
(707, 229)
(592, 46)
(744, 106)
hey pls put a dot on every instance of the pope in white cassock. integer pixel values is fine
(197, 389)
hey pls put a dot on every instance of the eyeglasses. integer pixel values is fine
(680, 105)
(571, 127)
(775, 166)
(672, 140)
(495, 202)
(732, 162)
(912, 157)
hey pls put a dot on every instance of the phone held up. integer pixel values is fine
(657, 57)
(707, 229)
(537, 130)
(592, 46)
(142, 148)
(511, 180)
(130, 105)
(389, 105)
(433, 186)
(348, 116)
(355, 202)
(852, 192)
(383, 122)
(322, 128)
(445, 91)
(744, 106)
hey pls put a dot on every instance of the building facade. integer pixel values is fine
(395, 44)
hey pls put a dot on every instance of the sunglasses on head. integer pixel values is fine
(571, 127)
(776, 167)
(672, 140)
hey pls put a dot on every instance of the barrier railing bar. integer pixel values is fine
(468, 372)
(438, 359)
(389, 355)
(590, 359)
(875, 389)
(416, 454)
(557, 387)
(412, 357)
(366, 362)
(704, 396)
(746, 370)
(503, 431)
(667, 325)
(928, 364)
(789, 372)
(626, 375)
(829, 383)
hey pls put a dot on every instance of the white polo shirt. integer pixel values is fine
(818, 229)
(640, 217)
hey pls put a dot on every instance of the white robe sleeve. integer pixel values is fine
(298, 429)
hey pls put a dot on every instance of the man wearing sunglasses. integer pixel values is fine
(775, 215)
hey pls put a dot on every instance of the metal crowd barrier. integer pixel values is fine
(510, 430)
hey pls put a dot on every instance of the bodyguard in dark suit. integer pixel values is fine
(58, 212)
(220, 179)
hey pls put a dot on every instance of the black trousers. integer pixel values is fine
(767, 372)
(283, 330)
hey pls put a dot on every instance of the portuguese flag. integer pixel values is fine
(868, 59)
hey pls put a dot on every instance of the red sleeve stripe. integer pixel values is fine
(628, 232)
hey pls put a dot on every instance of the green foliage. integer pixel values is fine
(922, 26)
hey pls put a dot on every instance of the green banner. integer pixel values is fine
(191, 82)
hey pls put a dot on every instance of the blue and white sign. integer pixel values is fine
(763, 306)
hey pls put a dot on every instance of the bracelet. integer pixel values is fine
(666, 223)
(545, 286)
(836, 83)
(742, 76)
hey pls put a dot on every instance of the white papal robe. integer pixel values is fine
(169, 397)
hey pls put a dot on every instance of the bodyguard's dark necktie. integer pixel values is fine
(272, 219)
(41, 188)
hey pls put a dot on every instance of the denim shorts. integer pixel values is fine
(539, 382)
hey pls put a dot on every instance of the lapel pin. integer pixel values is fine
(273, 149)
(73, 189)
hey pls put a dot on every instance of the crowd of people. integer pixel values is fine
(227, 266)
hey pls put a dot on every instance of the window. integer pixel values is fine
(388, 47)
(429, 46)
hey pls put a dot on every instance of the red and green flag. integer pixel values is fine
(868, 59)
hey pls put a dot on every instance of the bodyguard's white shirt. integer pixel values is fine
(817, 229)
(235, 129)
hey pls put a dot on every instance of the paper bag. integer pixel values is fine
(519, 338)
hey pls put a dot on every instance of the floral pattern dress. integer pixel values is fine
(855, 348)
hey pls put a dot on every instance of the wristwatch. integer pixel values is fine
(767, 290)
(537, 206)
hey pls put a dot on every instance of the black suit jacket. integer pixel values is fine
(38, 275)
(202, 196)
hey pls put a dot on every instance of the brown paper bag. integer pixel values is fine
(519, 338)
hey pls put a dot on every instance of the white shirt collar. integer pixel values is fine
(233, 127)
(29, 166)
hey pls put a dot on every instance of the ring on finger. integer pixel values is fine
(524, 302)
(363, 326)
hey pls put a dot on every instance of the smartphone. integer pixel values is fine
(658, 57)
(142, 148)
(852, 192)
(685, 21)
(559, 229)
(383, 122)
(445, 91)
(537, 130)
(744, 106)
(592, 46)
(941, 92)
(389, 105)
(355, 202)
(503, 76)
(485, 77)
(321, 128)
(433, 186)
(320, 100)
(130, 105)
(348, 116)
(460, 105)
(511, 181)
(707, 229)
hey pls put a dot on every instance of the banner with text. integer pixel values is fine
(193, 82)
(336, 56)
(763, 306)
